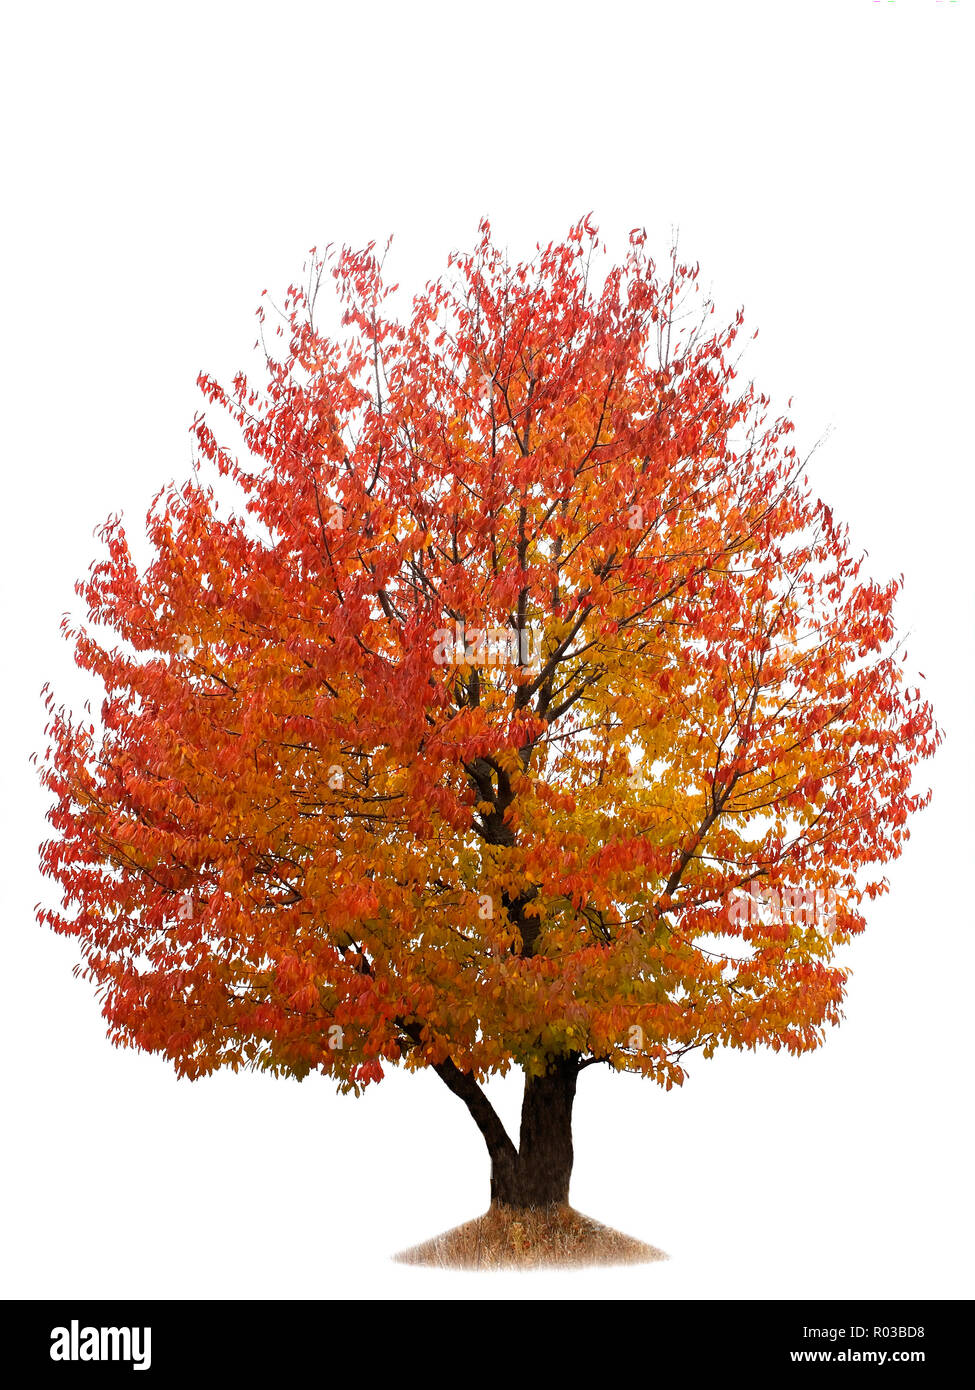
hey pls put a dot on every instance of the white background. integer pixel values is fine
(162, 166)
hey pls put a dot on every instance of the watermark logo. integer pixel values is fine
(76, 1343)
(485, 646)
(761, 905)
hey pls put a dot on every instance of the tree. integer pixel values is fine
(505, 698)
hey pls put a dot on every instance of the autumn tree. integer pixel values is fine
(502, 697)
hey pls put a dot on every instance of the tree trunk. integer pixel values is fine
(537, 1173)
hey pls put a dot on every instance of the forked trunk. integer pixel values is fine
(537, 1173)
(530, 1223)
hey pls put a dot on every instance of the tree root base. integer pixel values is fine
(530, 1238)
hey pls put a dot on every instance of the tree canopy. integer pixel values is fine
(469, 705)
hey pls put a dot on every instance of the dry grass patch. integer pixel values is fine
(511, 1238)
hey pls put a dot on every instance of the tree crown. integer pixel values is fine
(525, 703)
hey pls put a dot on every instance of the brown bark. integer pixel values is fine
(542, 1167)
(537, 1172)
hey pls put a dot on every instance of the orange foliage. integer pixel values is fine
(315, 830)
